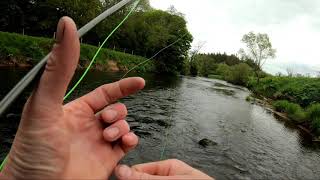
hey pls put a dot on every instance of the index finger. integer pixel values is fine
(109, 93)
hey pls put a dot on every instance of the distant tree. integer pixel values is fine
(194, 64)
(290, 72)
(259, 49)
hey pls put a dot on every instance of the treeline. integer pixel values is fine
(144, 33)
(223, 66)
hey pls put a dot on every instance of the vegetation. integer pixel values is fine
(293, 110)
(145, 33)
(259, 49)
(300, 90)
(27, 49)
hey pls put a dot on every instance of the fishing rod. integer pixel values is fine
(26, 80)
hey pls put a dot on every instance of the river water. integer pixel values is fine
(172, 114)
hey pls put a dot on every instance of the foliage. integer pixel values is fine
(313, 113)
(144, 34)
(259, 49)
(300, 90)
(34, 48)
(239, 74)
(293, 110)
(148, 32)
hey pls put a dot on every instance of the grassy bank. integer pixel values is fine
(19, 49)
(298, 97)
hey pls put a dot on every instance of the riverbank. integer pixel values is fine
(25, 51)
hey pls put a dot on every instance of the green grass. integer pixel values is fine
(293, 110)
(300, 90)
(32, 49)
(313, 113)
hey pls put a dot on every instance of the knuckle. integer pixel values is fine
(174, 161)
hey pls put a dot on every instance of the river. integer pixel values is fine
(172, 114)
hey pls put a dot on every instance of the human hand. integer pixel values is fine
(166, 170)
(71, 141)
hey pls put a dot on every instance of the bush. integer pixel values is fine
(239, 74)
(223, 70)
(293, 110)
(313, 113)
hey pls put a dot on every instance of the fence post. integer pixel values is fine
(54, 35)
(22, 31)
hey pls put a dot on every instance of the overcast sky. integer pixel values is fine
(293, 27)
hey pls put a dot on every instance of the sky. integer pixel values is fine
(292, 25)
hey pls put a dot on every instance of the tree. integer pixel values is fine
(259, 49)
(290, 72)
(194, 64)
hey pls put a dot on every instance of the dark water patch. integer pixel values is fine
(207, 142)
(226, 92)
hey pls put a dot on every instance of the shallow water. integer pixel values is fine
(172, 115)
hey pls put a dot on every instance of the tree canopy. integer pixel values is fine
(146, 31)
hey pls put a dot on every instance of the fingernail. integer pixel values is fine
(112, 132)
(112, 114)
(124, 171)
(60, 30)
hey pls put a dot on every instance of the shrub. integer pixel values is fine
(313, 113)
(293, 110)
(223, 70)
(239, 74)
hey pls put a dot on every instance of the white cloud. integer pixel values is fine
(293, 25)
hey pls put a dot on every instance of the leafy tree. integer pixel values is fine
(259, 49)
(145, 33)
(239, 74)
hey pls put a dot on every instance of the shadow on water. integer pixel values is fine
(204, 122)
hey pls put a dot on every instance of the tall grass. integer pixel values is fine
(293, 110)
(313, 113)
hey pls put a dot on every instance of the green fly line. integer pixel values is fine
(91, 63)
(94, 59)
(99, 50)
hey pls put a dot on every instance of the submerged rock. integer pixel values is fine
(207, 142)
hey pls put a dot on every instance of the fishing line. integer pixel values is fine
(99, 50)
(31, 75)
(27, 79)
(146, 61)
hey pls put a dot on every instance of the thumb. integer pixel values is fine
(61, 65)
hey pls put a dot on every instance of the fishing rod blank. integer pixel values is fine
(26, 80)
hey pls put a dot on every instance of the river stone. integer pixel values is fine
(207, 142)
